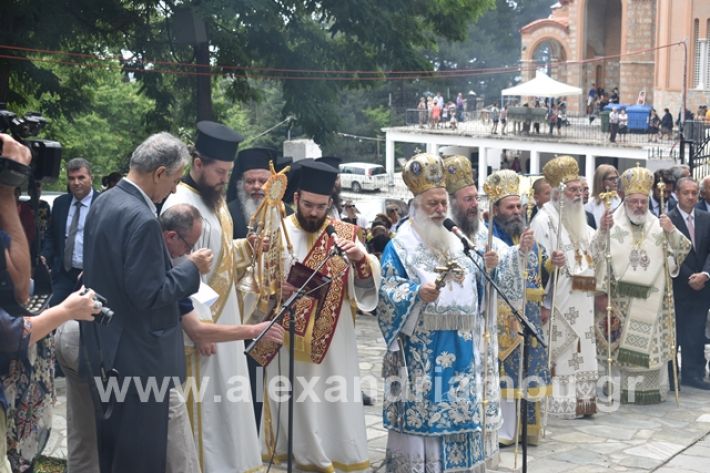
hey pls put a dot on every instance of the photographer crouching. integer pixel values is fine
(20, 332)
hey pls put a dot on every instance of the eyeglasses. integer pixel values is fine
(190, 248)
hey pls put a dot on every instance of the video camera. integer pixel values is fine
(46, 154)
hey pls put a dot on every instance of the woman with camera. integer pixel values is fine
(19, 333)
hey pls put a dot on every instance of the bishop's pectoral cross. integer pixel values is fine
(451, 267)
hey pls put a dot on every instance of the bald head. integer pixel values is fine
(182, 228)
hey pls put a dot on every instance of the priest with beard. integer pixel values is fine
(329, 418)
(463, 199)
(509, 227)
(245, 186)
(225, 432)
(642, 336)
(572, 344)
(429, 312)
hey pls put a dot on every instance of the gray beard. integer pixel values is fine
(249, 205)
(512, 226)
(434, 235)
(574, 220)
(637, 219)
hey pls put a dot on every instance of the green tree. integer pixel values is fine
(288, 34)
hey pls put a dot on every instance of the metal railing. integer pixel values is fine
(572, 127)
(697, 134)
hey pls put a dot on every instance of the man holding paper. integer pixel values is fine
(182, 229)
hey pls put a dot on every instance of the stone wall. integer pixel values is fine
(668, 99)
(638, 32)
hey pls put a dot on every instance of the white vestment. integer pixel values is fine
(573, 343)
(329, 419)
(223, 423)
(642, 308)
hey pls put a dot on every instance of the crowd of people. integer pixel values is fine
(436, 112)
(194, 261)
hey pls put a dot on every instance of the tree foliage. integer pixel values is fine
(287, 34)
(140, 78)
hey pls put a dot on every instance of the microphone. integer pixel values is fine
(335, 250)
(450, 225)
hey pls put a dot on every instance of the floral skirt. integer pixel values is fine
(29, 388)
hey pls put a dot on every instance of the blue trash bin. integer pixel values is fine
(638, 118)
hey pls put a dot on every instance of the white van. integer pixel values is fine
(362, 176)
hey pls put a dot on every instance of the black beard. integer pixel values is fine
(210, 196)
(512, 226)
(310, 225)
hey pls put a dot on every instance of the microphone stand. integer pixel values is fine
(287, 308)
(528, 331)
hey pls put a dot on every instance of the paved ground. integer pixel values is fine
(661, 438)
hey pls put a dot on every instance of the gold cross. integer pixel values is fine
(607, 197)
(662, 194)
(450, 267)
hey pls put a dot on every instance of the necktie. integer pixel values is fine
(69, 243)
(691, 229)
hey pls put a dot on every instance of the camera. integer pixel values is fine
(46, 154)
(106, 315)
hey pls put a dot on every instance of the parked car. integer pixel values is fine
(362, 176)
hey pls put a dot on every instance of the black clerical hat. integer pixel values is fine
(332, 161)
(255, 158)
(317, 177)
(282, 162)
(293, 177)
(217, 141)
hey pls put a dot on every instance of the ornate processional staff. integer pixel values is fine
(264, 276)
(490, 307)
(526, 258)
(670, 319)
(555, 281)
(607, 198)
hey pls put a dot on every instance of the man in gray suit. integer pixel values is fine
(126, 261)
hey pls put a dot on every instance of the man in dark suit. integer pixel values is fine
(704, 201)
(66, 230)
(690, 288)
(585, 198)
(63, 252)
(127, 262)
